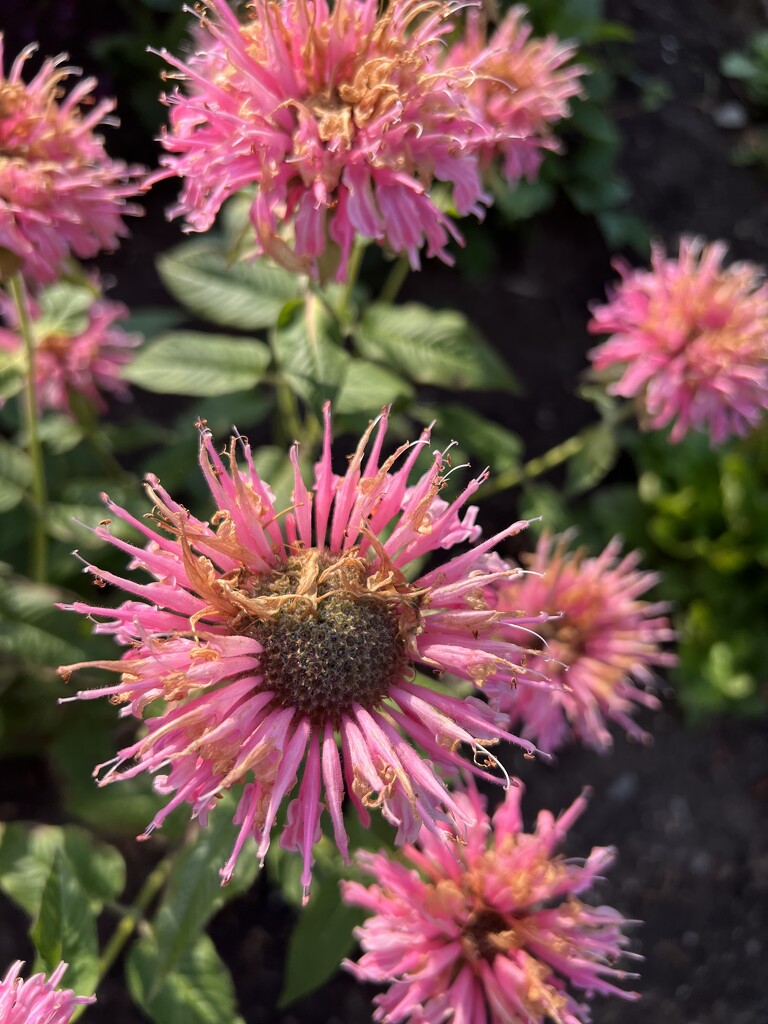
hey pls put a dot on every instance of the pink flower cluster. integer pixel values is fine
(345, 117)
(261, 637)
(490, 931)
(60, 193)
(84, 357)
(521, 86)
(690, 339)
(602, 640)
(37, 1000)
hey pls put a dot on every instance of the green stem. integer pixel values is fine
(288, 412)
(396, 279)
(128, 924)
(543, 463)
(353, 273)
(39, 544)
(86, 420)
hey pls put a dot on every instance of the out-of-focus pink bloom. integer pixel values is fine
(522, 86)
(37, 1000)
(343, 117)
(60, 193)
(691, 339)
(265, 634)
(83, 354)
(491, 931)
(603, 644)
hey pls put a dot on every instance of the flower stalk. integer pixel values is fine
(39, 542)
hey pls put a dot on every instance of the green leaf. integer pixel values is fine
(124, 808)
(60, 433)
(31, 628)
(15, 475)
(193, 363)
(323, 936)
(431, 347)
(523, 200)
(367, 387)
(198, 991)
(27, 855)
(66, 927)
(11, 373)
(151, 320)
(246, 295)
(63, 309)
(195, 893)
(594, 460)
(308, 350)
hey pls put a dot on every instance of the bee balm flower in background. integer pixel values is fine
(690, 339)
(263, 635)
(521, 87)
(603, 644)
(78, 346)
(60, 193)
(490, 932)
(343, 117)
(37, 1000)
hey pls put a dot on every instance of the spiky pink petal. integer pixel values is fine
(60, 192)
(689, 338)
(222, 709)
(600, 647)
(491, 931)
(37, 1000)
(85, 357)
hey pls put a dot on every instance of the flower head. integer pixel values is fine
(521, 87)
(78, 347)
(691, 339)
(263, 636)
(60, 193)
(37, 1000)
(602, 640)
(343, 118)
(490, 932)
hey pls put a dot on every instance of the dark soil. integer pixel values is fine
(688, 814)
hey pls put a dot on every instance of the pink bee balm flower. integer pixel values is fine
(601, 646)
(83, 353)
(60, 193)
(489, 932)
(265, 636)
(522, 86)
(37, 1001)
(691, 339)
(342, 117)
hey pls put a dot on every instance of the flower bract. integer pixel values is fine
(490, 932)
(689, 338)
(272, 648)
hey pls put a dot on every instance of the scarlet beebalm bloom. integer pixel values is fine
(263, 636)
(491, 931)
(37, 1000)
(521, 87)
(691, 339)
(600, 647)
(60, 193)
(82, 352)
(342, 117)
